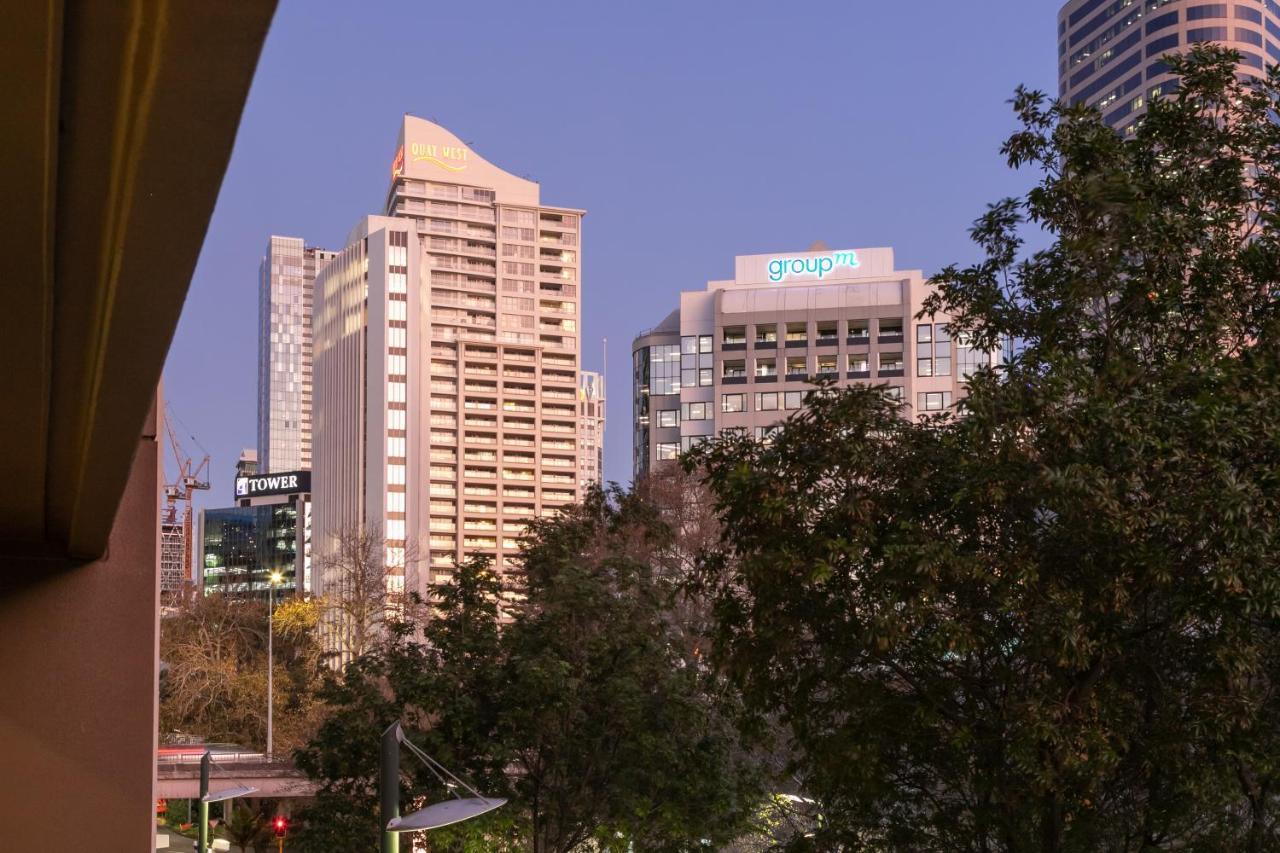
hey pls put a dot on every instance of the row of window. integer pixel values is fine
(827, 330)
(798, 365)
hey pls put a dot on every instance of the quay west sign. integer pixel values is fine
(814, 266)
(287, 483)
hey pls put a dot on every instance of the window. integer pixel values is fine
(797, 366)
(734, 369)
(933, 350)
(797, 331)
(894, 392)
(766, 334)
(767, 401)
(395, 447)
(668, 418)
(826, 364)
(1200, 34)
(890, 361)
(689, 442)
(766, 433)
(735, 334)
(859, 363)
(766, 367)
(971, 359)
(933, 401)
(664, 369)
(668, 450)
(793, 399)
(858, 329)
(827, 332)
(696, 360)
(733, 403)
(695, 411)
(1199, 13)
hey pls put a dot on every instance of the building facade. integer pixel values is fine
(1109, 51)
(446, 364)
(286, 279)
(267, 531)
(744, 353)
(591, 400)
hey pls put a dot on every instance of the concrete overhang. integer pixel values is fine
(120, 120)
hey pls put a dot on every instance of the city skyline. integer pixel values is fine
(666, 207)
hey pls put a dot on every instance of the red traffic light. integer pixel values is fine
(281, 825)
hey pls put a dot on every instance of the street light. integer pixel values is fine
(206, 797)
(433, 816)
(275, 578)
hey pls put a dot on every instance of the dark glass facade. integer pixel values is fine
(244, 545)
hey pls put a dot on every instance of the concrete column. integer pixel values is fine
(78, 684)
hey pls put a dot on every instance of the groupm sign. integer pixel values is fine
(286, 483)
(816, 266)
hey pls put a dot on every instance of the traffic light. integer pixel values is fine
(280, 824)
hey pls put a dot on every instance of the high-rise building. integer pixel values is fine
(286, 279)
(591, 402)
(744, 353)
(1109, 50)
(446, 364)
(266, 532)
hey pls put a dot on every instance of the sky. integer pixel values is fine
(691, 131)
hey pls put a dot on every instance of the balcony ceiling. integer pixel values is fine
(120, 117)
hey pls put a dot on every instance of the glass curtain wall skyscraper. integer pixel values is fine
(286, 280)
(447, 347)
(1109, 51)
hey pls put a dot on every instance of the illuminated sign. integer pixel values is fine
(455, 155)
(287, 483)
(820, 266)
(397, 165)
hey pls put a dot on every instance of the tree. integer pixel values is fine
(1051, 621)
(215, 683)
(582, 710)
(617, 730)
(363, 580)
(246, 828)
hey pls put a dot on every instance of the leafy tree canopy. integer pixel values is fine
(1049, 621)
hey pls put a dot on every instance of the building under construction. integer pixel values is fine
(177, 576)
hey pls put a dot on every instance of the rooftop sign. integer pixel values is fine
(287, 483)
(813, 266)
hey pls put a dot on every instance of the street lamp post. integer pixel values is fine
(274, 579)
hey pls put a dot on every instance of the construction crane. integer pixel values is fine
(176, 545)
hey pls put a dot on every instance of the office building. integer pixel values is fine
(743, 353)
(1109, 50)
(446, 364)
(286, 279)
(591, 402)
(267, 531)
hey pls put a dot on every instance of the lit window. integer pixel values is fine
(767, 402)
(668, 450)
(668, 418)
(733, 403)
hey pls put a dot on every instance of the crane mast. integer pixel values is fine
(176, 534)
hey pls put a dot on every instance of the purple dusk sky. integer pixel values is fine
(691, 131)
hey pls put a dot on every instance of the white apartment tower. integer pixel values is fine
(286, 279)
(591, 402)
(446, 369)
